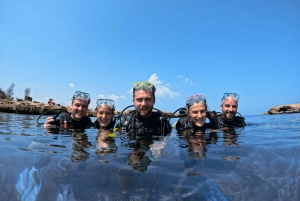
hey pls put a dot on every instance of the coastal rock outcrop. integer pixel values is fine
(28, 107)
(285, 109)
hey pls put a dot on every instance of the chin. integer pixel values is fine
(78, 118)
(199, 124)
(104, 124)
(230, 117)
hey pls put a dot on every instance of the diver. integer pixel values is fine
(105, 114)
(228, 116)
(77, 118)
(142, 122)
(196, 109)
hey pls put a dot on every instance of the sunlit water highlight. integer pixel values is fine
(258, 162)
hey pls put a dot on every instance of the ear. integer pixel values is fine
(187, 112)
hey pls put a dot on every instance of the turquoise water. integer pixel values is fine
(258, 162)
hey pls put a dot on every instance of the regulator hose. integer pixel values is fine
(55, 116)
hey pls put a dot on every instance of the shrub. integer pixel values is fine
(27, 91)
(10, 92)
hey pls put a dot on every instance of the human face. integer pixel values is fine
(197, 113)
(229, 108)
(104, 115)
(79, 109)
(143, 102)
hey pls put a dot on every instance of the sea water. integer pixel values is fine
(258, 162)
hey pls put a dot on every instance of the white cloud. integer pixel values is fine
(71, 85)
(112, 96)
(184, 79)
(162, 88)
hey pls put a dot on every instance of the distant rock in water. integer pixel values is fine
(284, 109)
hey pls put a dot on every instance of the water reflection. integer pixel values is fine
(106, 143)
(79, 144)
(197, 143)
(230, 137)
(137, 158)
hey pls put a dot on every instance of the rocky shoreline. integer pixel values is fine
(36, 108)
(284, 109)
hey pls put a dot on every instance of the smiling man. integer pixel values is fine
(143, 121)
(228, 117)
(77, 118)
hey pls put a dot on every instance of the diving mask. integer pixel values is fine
(230, 95)
(148, 86)
(198, 98)
(110, 103)
(82, 95)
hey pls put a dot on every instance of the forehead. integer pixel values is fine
(143, 94)
(81, 101)
(197, 106)
(230, 101)
(104, 108)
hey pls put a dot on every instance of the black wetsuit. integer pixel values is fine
(217, 121)
(65, 120)
(143, 128)
(186, 122)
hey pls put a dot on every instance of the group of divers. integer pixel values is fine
(145, 120)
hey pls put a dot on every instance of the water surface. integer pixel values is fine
(258, 162)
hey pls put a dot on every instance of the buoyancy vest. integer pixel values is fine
(156, 124)
(217, 121)
(66, 121)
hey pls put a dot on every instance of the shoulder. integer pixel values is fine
(239, 121)
(157, 114)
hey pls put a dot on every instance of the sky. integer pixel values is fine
(57, 47)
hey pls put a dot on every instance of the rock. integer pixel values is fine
(285, 109)
(28, 107)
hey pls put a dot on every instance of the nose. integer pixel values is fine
(230, 109)
(199, 115)
(143, 103)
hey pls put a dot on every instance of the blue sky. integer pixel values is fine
(185, 47)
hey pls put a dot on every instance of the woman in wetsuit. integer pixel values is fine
(105, 114)
(196, 109)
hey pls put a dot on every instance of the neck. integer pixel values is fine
(145, 116)
(75, 118)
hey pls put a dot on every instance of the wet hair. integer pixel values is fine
(205, 104)
(237, 102)
(81, 95)
(152, 91)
